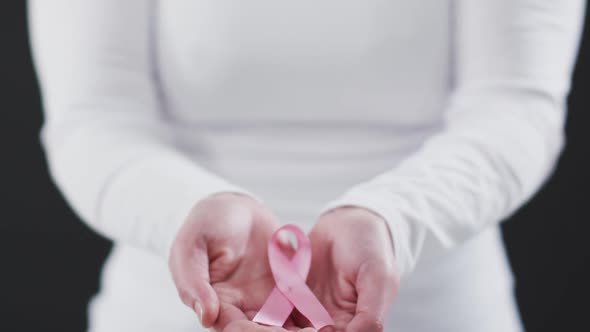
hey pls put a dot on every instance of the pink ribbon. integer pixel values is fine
(291, 291)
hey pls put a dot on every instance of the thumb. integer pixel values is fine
(189, 263)
(376, 287)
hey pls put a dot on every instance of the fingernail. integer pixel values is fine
(199, 310)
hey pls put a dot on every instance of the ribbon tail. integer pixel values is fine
(303, 299)
(275, 310)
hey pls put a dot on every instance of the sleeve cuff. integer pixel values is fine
(152, 198)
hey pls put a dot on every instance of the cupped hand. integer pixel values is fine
(218, 262)
(353, 268)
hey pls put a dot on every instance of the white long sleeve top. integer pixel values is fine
(441, 116)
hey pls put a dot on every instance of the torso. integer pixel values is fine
(299, 100)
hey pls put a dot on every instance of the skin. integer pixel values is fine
(215, 262)
(216, 265)
(353, 268)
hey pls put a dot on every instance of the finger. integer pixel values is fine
(248, 326)
(292, 325)
(376, 286)
(228, 313)
(300, 320)
(190, 268)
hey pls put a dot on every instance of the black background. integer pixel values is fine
(50, 262)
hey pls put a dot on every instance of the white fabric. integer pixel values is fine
(442, 116)
(470, 290)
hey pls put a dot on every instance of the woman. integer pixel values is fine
(398, 133)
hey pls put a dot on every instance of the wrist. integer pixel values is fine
(355, 210)
(225, 196)
(362, 213)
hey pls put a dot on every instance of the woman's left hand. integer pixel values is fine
(353, 268)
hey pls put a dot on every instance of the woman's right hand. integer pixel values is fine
(218, 261)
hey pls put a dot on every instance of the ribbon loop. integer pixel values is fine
(291, 291)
